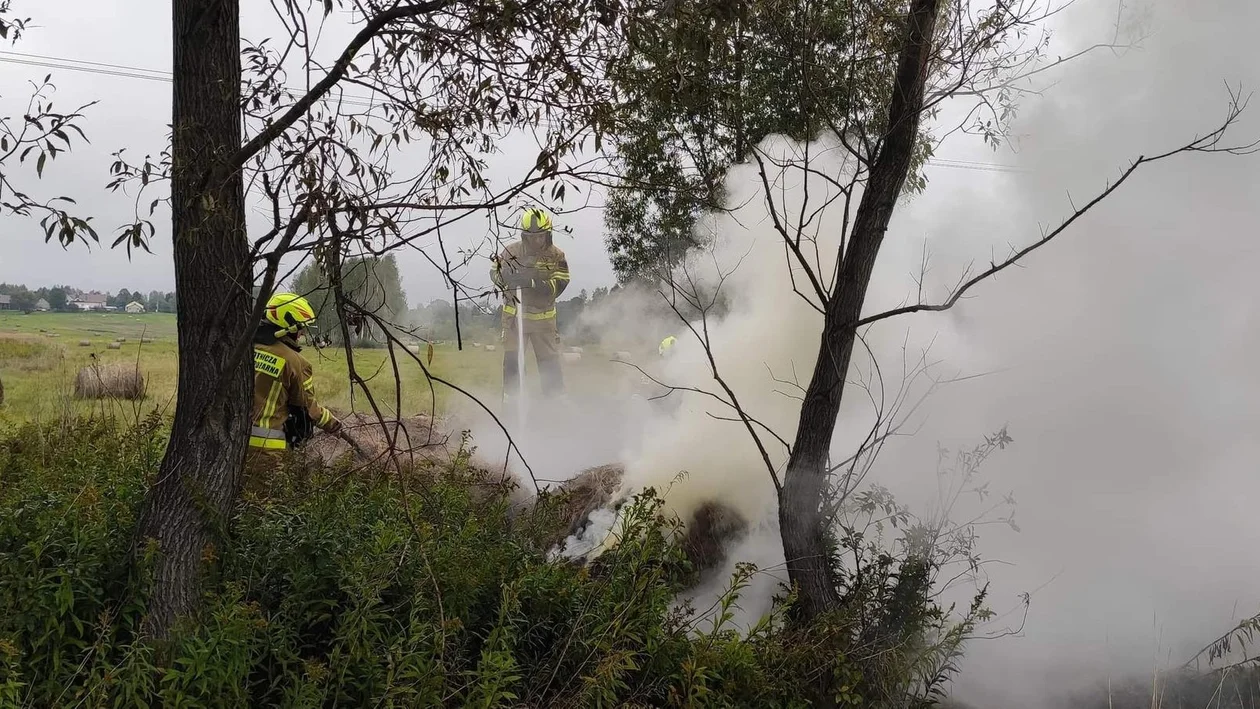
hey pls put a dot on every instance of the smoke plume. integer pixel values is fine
(1120, 356)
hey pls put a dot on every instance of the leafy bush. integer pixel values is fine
(343, 589)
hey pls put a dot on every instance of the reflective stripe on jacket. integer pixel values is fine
(282, 378)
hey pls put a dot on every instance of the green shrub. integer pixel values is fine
(343, 589)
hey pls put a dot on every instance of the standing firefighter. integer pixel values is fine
(536, 266)
(285, 410)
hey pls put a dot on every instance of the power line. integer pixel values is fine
(128, 72)
(980, 166)
(90, 70)
(45, 57)
(132, 72)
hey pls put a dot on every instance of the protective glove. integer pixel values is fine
(335, 426)
(524, 278)
(513, 280)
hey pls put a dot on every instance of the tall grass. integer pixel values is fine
(339, 588)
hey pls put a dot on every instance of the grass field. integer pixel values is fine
(40, 354)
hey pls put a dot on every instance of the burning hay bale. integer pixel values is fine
(421, 448)
(110, 381)
(415, 439)
(710, 532)
(714, 528)
(588, 491)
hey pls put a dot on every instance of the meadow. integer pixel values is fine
(41, 353)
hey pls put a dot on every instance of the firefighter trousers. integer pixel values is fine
(543, 337)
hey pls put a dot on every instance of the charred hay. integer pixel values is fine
(416, 446)
(423, 447)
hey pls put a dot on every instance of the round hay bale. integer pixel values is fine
(571, 356)
(147, 341)
(110, 381)
(115, 345)
(120, 339)
(714, 529)
(85, 343)
(476, 345)
(586, 492)
(491, 348)
(575, 350)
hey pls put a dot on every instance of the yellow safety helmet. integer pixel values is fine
(535, 219)
(666, 345)
(290, 312)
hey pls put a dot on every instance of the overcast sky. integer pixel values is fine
(133, 113)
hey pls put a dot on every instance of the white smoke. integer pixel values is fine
(1121, 357)
(599, 526)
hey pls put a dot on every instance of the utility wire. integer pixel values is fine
(132, 72)
(128, 72)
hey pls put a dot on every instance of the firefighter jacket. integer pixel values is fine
(282, 379)
(549, 270)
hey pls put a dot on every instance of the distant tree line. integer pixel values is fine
(59, 298)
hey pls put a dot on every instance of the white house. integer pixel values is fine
(135, 307)
(91, 301)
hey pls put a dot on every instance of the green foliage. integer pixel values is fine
(342, 589)
(705, 82)
(371, 283)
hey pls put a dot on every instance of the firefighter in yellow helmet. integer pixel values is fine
(667, 346)
(285, 410)
(538, 267)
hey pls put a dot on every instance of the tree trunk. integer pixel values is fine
(800, 519)
(190, 503)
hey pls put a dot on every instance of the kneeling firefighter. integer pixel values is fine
(285, 411)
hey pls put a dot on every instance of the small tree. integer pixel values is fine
(57, 300)
(705, 83)
(446, 78)
(24, 300)
(370, 281)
